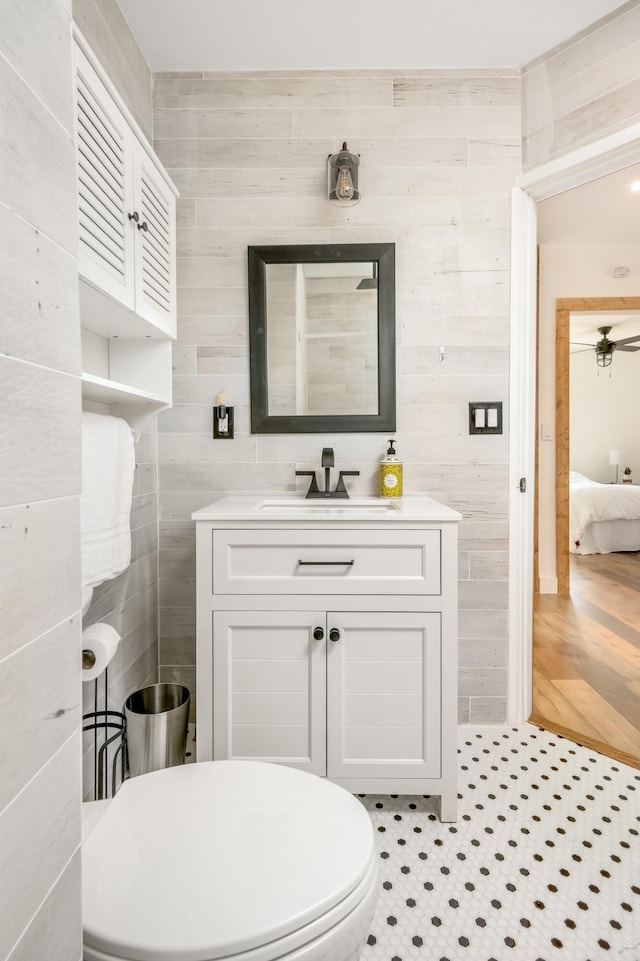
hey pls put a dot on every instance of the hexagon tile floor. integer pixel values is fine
(543, 862)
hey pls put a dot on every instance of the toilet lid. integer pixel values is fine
(206, 860)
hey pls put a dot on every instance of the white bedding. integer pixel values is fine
(597, 513)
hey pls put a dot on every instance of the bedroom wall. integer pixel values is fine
(569, 271)
(604, 405)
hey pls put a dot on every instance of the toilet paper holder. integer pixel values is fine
(88, 659)
(112, 725)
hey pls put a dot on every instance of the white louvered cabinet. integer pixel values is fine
(126, 254)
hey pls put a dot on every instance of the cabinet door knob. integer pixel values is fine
(318, 633)
(135, 216)
(334, 634)
(143, 226)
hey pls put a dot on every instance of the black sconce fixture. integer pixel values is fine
(222, 419)
(343, 177)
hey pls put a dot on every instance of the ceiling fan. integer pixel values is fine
(605, 348)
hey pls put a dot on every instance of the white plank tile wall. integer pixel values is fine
(440, 152)
(584, 89)
(39, 491)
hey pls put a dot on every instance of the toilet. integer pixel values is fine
(227, 859)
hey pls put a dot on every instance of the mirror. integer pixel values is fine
(322, 338)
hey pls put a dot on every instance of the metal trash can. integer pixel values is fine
(157, 718)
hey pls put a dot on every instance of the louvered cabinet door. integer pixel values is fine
(155, 246)
(106, 235)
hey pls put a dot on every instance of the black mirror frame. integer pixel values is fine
(264, 423)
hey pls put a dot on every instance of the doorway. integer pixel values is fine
(601, 158)
(565, 307)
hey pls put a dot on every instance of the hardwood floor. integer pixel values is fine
(586, 656)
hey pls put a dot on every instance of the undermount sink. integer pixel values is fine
(352, 505)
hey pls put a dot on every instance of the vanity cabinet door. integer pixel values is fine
(383, 695)
(269, 687)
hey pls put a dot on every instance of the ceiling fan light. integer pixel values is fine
(604, 358)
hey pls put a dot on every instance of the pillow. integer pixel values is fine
(575, 476)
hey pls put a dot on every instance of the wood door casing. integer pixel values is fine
(564, 307)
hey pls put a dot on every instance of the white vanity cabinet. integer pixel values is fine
(342, 693)
(329, 644)
(126, 252)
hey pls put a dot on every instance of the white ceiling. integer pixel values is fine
(353, 35)
(605, 211)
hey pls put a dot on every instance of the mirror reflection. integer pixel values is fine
(322, 344)
(322, 338)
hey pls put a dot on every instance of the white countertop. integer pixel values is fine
(265, 507)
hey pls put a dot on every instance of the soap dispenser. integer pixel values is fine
(390, 474)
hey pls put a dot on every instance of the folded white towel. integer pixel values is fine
(108, 463)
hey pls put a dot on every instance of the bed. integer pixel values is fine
(602, 517)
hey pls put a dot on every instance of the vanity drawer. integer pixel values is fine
(327, 561)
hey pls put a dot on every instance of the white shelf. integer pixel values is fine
(133, 405)
(103, 391)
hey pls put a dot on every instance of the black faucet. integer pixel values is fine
(328, 461)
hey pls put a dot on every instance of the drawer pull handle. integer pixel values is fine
(334, 634)
(318, 633)
(326, 563)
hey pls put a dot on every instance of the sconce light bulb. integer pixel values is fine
(221, 399)
(344, 186)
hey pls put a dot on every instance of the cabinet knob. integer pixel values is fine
(334, 634)
(318, 633)
(143, 226)
(135, 216)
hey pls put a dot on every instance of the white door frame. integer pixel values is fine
(581, 166)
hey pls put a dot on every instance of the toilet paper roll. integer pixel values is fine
(103, 640)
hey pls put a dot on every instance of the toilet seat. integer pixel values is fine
(225, 859)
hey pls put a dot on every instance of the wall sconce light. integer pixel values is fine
(343, 177)
(615, 458)
(222, 419)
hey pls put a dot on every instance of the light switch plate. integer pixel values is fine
(485, 417)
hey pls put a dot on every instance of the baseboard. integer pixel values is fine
(548, 585)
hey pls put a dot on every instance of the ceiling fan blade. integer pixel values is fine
(628, 349)
(581, 343)
(590, 349)
(627, 340)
